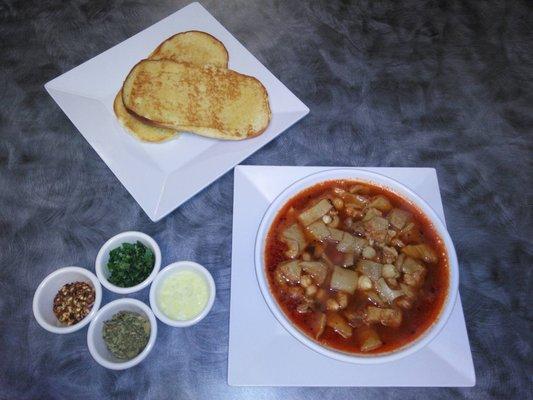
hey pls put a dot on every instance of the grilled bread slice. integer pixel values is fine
(134, 125)
(193, 47)
(209, 101)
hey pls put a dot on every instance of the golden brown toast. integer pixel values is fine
(193, 47)
(134, 125)
(209, 101)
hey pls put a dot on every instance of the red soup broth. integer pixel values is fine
(415, 321)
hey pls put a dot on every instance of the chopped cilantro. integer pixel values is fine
(130, 264)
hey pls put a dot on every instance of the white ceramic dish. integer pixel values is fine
(154, 173)
(285, 361)
(404, 192)
(95, 341)
(172, 269)
(43, 298)
(102, 258)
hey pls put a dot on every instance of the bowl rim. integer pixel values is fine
(403, 191)
(174, 267)
(72, 328)
(106, 248)
(138, 358)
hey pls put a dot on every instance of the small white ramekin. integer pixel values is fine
(95, 340)
(43, 299)
(171, 269)
(102, 258)
(404, 192)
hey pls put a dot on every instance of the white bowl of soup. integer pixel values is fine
(356, 266)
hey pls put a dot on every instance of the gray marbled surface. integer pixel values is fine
(444, 84)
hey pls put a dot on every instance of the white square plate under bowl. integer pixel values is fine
(162, 176)
(263, 353)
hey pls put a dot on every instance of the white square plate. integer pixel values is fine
(263, 353)
(160, 177)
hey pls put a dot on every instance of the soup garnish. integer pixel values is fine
(73, 302)
(126, 334)
(183, 295)
(356, 267)
(130, 264)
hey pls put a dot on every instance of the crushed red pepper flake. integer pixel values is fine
(73, 302)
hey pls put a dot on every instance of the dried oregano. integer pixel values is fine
(126, 334)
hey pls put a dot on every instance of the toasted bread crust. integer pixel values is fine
(206, 100)
(177, 49)
(137, 127)
(207, 132)
(195, 47)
